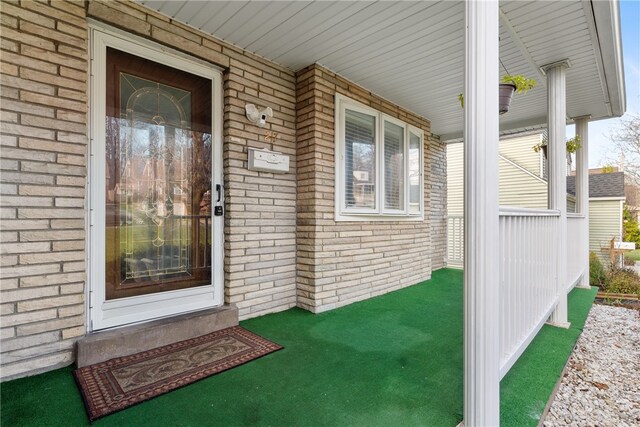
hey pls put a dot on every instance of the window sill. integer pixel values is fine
(378, 218)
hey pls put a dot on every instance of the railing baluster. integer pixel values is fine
(527, 271)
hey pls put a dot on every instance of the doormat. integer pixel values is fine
(121, 382)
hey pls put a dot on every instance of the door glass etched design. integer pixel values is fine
(158, 225)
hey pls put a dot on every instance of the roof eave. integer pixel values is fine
(607, 20)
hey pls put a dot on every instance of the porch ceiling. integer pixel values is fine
(412, 53)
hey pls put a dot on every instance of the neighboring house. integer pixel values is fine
(136, 185)
(522, 178)
(522, 181)
(606, 200)
(522, 184)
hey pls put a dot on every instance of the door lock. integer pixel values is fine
(218, 210)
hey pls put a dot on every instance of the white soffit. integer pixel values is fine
(412, 53)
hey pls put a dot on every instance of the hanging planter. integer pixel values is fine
(506, 93)
(572, 145)
(510, 85)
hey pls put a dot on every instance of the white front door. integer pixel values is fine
(155, 243)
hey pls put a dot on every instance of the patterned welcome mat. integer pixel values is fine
(121, 382)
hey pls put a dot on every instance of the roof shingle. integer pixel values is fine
(601, 185)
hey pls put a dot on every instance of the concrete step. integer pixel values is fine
(104, 345)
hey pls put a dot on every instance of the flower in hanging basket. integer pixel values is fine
(508, 86)
(511, 84)
(521, 83)
(572, 145)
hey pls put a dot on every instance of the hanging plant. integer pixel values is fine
(573, 145)
(522, 84)
(510, 85)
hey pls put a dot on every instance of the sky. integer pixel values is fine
(600, 149)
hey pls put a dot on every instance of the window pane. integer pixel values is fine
(414, 173)
(158, 176)
(360, 160)
(393, 166)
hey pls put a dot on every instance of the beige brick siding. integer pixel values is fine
(44, 145)
(260, 206)
(343, 262)
(436, 152)
(282, 245)
(44, 141)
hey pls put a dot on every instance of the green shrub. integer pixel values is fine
(597, 275)
(622, 281)
(631, 228)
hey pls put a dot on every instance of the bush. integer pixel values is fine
(597, 275)
(622, 281)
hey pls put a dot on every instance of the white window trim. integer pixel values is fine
(342, 213)
(102, 314)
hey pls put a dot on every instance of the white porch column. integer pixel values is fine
(481, 209)
(582, 193)
(557, 152)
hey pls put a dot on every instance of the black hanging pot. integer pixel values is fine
(506, 93)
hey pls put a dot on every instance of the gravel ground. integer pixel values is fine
(601, 386)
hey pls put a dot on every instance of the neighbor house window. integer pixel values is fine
(379, 173)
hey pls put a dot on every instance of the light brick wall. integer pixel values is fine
(260, 206)
(437, 190)
(43, 178)
(43, 151)
(343, 262)
(276, 224)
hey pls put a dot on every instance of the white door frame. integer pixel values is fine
(104, 314)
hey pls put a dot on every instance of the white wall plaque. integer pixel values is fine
(268, 161)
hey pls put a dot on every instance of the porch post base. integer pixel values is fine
(583, 283)
(563, 325)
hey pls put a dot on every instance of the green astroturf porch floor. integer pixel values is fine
(395, 360)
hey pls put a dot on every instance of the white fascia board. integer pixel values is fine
(607, 20)
(531, 125)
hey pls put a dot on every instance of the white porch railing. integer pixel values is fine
(455, 240)
(576, 244)
(528, 271)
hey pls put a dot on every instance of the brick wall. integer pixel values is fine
(273, 221)
(343, 262)
(260, 206)
(437, 190)
(44, 144)
(43, 178)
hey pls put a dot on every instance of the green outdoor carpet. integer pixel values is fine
(395, 360)
(527, 387)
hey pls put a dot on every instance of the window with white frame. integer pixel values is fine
(379, 165)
